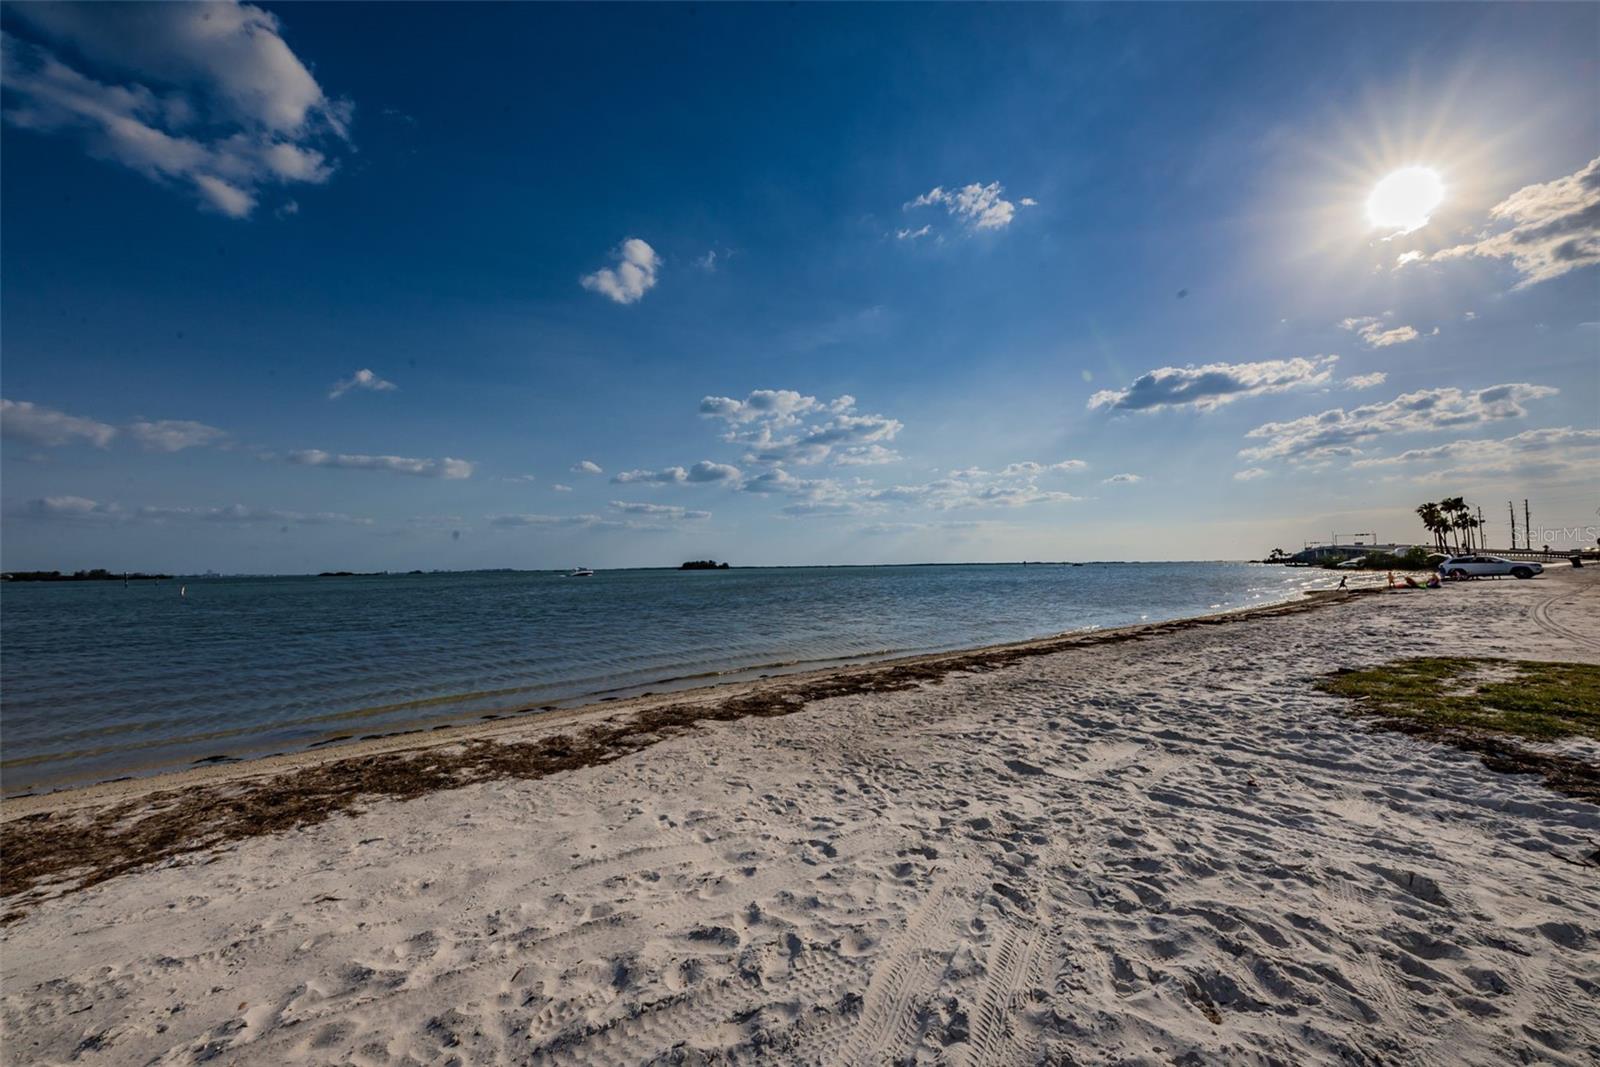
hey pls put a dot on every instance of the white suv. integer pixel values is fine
(1486, 567)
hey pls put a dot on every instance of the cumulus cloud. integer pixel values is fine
(702, 473)
(1249, 474)
(22, 420)
(1030, 469)
(1372, 332)
(587, 466)
(1013, 486)
(981, 207)
(664, 476)
(660, 511)
(1365, 381)
(783, 427)
(361, 379)
(1123, 479)
(174, 435)
(425, 468)
(73, 509)
(632, 277)
(1553, 448)
(1214, 384)
(206, 96)
(1338, 432)
(1545, 230)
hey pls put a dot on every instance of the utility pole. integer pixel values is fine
(1512, 508)
(1527, 525)
(1483, 538)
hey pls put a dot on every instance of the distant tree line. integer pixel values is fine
(99, 574)
(703, 565)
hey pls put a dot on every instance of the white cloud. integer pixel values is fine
(1123, 479)
(73, 509)
(1210, 386)
(982, 207)
(665, 476)
(204, 94)
(249, 516)
(660, 511)
(1012, 487)
(581, 522)
(704, 472)
(1548, 229)
(1249, 474)
(1337, 432)
(633, 276)
(174, 435)
(1030, 469)
(81, 509)
(361, 379)
(558, 487)
(707, 471)
(1365, 381)
(912, 235)
(426, 468)
(1554, 448)
(781, 426)
(22, 420)
(587, 466)
(1372, 332)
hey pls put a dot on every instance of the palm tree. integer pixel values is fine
(1434, 522)
(1454, 510)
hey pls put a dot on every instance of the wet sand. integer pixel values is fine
(1133, 846)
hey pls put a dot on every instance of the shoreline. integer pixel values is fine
(340, 725)
(515, 721)
(1162, 842)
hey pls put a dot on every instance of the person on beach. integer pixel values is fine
(1343, 581)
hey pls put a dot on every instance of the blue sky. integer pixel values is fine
(303, 287)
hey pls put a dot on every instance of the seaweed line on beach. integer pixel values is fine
(50, 853)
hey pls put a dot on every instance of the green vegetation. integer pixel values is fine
(1452, 524)
(1412, 559)
(1534, 700)
(703, 565)
(99, 574)
(1485, 706)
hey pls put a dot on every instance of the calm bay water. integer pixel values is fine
(99, 680)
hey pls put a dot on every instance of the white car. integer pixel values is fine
(1487, 567)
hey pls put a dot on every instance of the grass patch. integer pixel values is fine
(1538, 701)
(1485, 705)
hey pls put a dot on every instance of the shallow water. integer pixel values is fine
(98, 680)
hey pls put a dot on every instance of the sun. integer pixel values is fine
(1404, 200)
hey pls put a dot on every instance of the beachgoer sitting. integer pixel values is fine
(1411, 583)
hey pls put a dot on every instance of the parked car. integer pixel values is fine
(1487, 567)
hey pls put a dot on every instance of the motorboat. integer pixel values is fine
(580, 572)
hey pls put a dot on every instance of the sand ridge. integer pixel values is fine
(1146, 851)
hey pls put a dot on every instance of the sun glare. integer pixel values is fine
(1404, 200)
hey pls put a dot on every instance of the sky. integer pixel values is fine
(290, 288)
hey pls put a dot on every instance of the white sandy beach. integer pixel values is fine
(1165, 850)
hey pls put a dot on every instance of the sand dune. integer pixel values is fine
(1168, 850)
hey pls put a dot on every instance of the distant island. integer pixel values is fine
(703, 565)
(99, 574)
